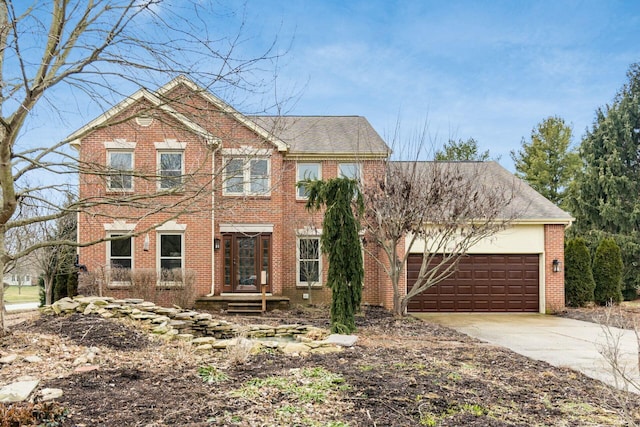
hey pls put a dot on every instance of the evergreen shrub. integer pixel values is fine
(578, 277)
(607, 272)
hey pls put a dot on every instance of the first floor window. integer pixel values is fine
(170, 169)
(121, 167)
(309, 266)
(120, 258)
(171, 253)
(121, 254)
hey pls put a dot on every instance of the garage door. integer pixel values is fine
(489, 283)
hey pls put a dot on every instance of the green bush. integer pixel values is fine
(607, 272)
(579, 285)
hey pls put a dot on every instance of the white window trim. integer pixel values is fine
(298, 196)
(170, 145)
(133, 162)
(159, 234)
(120, 144)
(159, 153)
(318, 283)
(246, 151)
(246, 228)
(119, 283)
(246, 175)
(119, 227)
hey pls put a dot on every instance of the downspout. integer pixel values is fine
(213, 222)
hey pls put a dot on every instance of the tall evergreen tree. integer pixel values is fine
(340, 241)
(547, 161)
(605, 197)
(462, 150)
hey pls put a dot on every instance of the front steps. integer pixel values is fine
(248, 304)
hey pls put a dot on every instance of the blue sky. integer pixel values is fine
(490, 70)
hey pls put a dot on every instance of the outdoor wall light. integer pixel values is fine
(216, 244)
(557, 266)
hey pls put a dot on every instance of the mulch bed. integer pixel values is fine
(403, 372)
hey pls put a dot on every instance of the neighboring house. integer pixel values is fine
(251, 228)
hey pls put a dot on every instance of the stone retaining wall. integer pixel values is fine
(201, 329)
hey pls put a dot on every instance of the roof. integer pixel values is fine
(528, 205)
(326, 135)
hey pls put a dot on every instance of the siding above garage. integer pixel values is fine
(517, 239)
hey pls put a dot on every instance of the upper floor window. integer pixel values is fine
(307, 171)
(170, 169)
(244, 175)
(349, 170)
(120, 170)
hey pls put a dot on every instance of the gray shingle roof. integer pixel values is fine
(325, 134)
(527, 202)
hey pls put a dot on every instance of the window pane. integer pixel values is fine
(170, 245)
(120, 161)
(121, 248)
(307, 171)
(309, 271)
(121, 263)
(170, 264)
(349, 170)
(234, 176)
(309, 248)
(259, 176)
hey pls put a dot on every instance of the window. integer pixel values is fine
(349, 170)
(170, 169)
(121, 167)
(120, 252)
(120, 258)
(309, 261)
(307, 171)
(246, 176)
(170, 253)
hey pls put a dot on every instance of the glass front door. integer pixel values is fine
(246, 260)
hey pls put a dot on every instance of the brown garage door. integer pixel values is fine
(490, 283)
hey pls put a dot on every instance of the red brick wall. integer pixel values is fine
(554, 282)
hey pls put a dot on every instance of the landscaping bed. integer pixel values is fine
(401, 372)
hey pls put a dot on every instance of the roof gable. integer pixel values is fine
(160, 102)
(224, 107)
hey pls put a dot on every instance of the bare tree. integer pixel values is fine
(440, 209)
(55, 54)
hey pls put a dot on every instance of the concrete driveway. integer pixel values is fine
(556, 340)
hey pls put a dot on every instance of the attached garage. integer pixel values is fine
(482, 283)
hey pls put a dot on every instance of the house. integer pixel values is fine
(182, 182)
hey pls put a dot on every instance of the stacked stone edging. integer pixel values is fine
(201, 329)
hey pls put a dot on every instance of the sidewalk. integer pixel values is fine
(22, 306)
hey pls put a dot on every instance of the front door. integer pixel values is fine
(246, 257)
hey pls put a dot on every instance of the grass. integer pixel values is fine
(15, 294)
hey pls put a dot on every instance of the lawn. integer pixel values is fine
(15, 294)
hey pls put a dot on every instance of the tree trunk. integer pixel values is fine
(398, 304)
(48, 290)
(3, 330)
